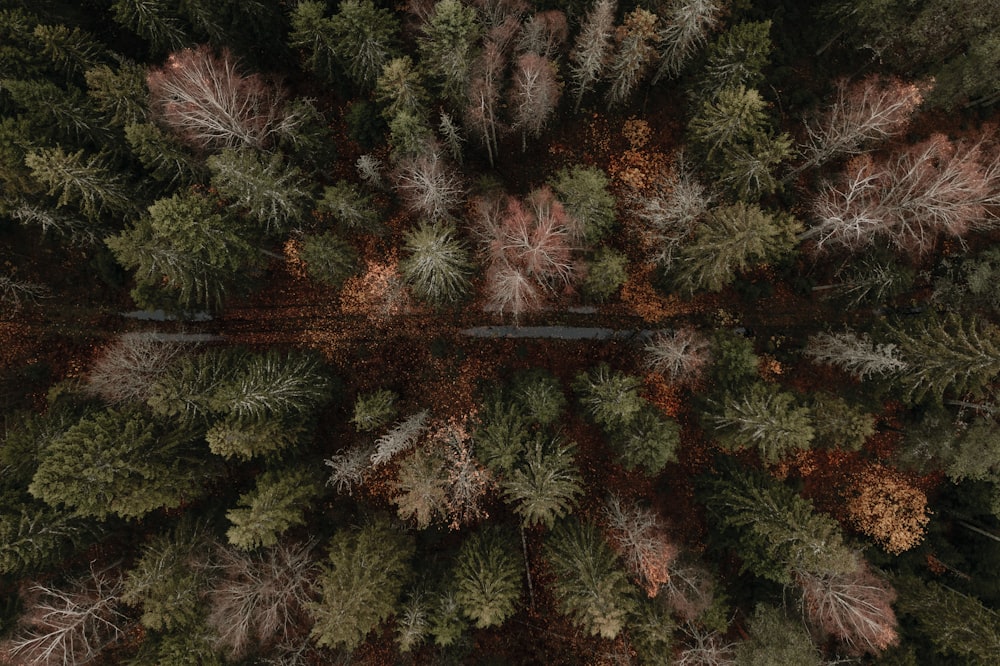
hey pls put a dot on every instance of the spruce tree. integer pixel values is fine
(765, 418)
(737, 58)
(776, 640)
(544, 485)
(448, 46)
(583, 191)
(266, 189)
(86, 183)
(357, 594)
(611, 399)
(648, 442)
(118, 462)
(438, 265)
(277, 502)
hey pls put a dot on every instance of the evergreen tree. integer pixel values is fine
(731, 239)
(488, 577)
(606, 273)
(163, 156)
(734, 364)
(778, 533)
(277, 502)
(169, 579)
(502, 435)
(361, 583)
(60, 114)
(438, 265)
(448, 45)
(400, 88)
(271, 383)
(422, 487)
(360, 39)
(952, 356)
(544, 485)
(539, 395)
(375, 410)
(957, 625)
(583, 191)
(328, 258)
(348, 207)
(268, 191)
(72, 50)
(856, 354)
(590, 587)
(233, 437)
(737, 58)
(776, 640)
(186, 247)
(611, 399)
(156, 21)
(837, 423)
(651, 629)
(120, 93)
(87, 183)
(766, 418)
(648, 442)
(35, 537)
(120, 463)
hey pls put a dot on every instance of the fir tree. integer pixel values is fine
(345, 204)
(686, 25)
(502, 436)
(400, 88)
(233, 437)
(590, 587)
(488, 577)
(606, 273)
(422, 487)
(776, 640)
(156, 21)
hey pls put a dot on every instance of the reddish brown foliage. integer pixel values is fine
(885, 505)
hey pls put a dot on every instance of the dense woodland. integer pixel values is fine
(500, 332)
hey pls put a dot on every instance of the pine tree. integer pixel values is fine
(245, 439)
(328, 258)
(156, 21)
(119, 93)
(399, 87)
(267, 190)
(590, 587)
(87, 183)
(170, 577)
(611, 399)
(422, 487)
(952, 356)
(277, 502)
(544, 485)
(488, 577)
(583, 191)
(119, 463)
(592, 49)
(732, 239)
(766, 418)
(187, 248)
(778, 532)
(438, 265)
(648, 442)
(356, 595)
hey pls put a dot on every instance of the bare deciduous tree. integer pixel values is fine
(671, 213)
(350, 468)
(129, 367)
(873, 109)
(534, 95)
(681, 355)
(544, 34)
(640, 538)
(208, 103)
(855, 608)
(931, 189)
(69, 625)
(260, 597)
(428, 185)
(481, 110)
(636, 39)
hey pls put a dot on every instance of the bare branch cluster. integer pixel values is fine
(129, 368)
